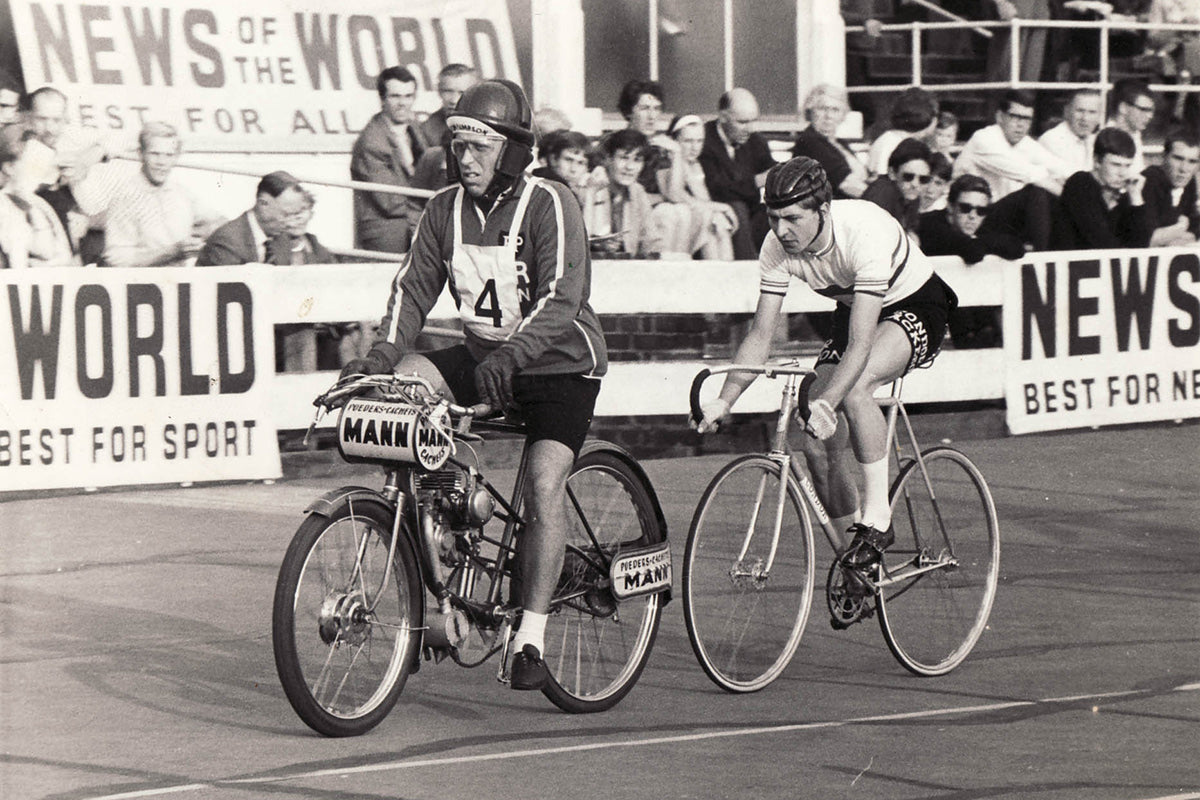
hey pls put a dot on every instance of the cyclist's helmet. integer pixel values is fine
(490, 108)
(801, 180)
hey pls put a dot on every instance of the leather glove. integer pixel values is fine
(711, 415)
(373, 363)
(494, 378)
(822, 419)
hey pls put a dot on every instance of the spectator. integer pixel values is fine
(1133, 110)
(154, 222)
(10, 99)
(735, 159)
(1032, 42)
(913, 115)
(1170, 191)
(547, 120)
(960, 228)
(945, 134)
(616, 209)
(941, 172)
(899, 191)
(683, 184)
(1006, 156)
(32, 234)
(1071, 140)
(825, 109)
(387, 151)
(1179, 51)
(565, 153)
(641, 104)
(1104, 208)
(452, 81)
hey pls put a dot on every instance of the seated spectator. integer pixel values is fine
(641, 103)
(565, 153)
(960, 228)
(825, 109)
(616, 209)
(32, 235)
(154, 222)
(430, 169)
(941, 171)
(899, 191)
(1071, 140)
(712, 223)
(1170, 191)
(1133, 111)
(945, 135)
(1006, 156)
(10, 99)
(913, 115)
(735, 160)
(1104, 208)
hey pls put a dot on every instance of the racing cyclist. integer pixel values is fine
(515, 254)
(890, 318)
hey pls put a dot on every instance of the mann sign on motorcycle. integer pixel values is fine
(1096, 338)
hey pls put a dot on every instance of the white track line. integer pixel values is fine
(677, 739)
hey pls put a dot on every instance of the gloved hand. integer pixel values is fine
(373, 363)
(822, 419)
(711, 413)
(494, 378)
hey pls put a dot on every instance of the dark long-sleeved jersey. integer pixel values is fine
(535, 305)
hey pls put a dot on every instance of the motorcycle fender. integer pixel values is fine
(331, 501)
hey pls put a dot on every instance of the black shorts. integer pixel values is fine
(555, 407)
(922, 315)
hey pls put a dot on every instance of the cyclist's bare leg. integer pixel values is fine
(832, 467)
(545, 537)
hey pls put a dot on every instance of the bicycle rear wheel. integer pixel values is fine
(597, 647)
(939, 578)
(744, 621)
(344, 631)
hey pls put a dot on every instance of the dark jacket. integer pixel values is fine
(233, 243)
(824, 152)
(732, 180)
(1085, 222)
(884, 193)
(940, 238)
(1162, 211)
(384, 221)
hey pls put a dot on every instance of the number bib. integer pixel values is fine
(488, 279)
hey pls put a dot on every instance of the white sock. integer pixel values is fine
(875, 509)
(532, 631)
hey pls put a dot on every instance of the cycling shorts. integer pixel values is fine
(556, 407)
(922, 316)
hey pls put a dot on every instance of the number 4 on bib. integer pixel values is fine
(488, 304)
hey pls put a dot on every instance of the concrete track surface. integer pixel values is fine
(135, 661)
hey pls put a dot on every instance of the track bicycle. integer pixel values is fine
(748, 570)
(374, 579)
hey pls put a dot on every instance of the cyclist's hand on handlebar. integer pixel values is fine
(494, 378)
(822, 419)
(712, 414)
(373, 363)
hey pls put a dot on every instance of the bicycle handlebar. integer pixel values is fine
(355, 384)
(771, 371)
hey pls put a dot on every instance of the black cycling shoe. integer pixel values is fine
(528, 670)
(867, 546)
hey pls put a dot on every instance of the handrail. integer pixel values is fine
(936, 9)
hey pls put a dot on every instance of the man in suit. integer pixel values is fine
(387, 151)
(735, 160)
(1170, 191)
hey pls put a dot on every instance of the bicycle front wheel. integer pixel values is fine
(939, 578)
(345, 622)
(748, 574)
(597, 647)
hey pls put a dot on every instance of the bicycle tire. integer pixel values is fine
(596, 647)
(343, 652)
(932, 621)
(745, 628)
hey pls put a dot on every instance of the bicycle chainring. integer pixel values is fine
(848, 593)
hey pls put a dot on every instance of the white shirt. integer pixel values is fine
(145, 218)
(1139, 156)
(881, 150)
(868, 253)
(1062, 142)
(1008, 167)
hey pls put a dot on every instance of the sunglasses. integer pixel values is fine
(968, 208)
(909, 177)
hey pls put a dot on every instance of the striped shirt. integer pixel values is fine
(869, 253)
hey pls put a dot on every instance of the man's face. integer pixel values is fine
(1112, 171)
(8, 106)
(795, 226)
(159, 158)
(1182, 163)
(279, 214)
(967, 212)
(624, 166)
(397, 101)
(1015, 122)
(645, 113)
(571, 164)
(738, 120)
(477, 158)
(911, 177)
(48, 117)
(1138, 114)
(451, 87)
(1083, 114)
